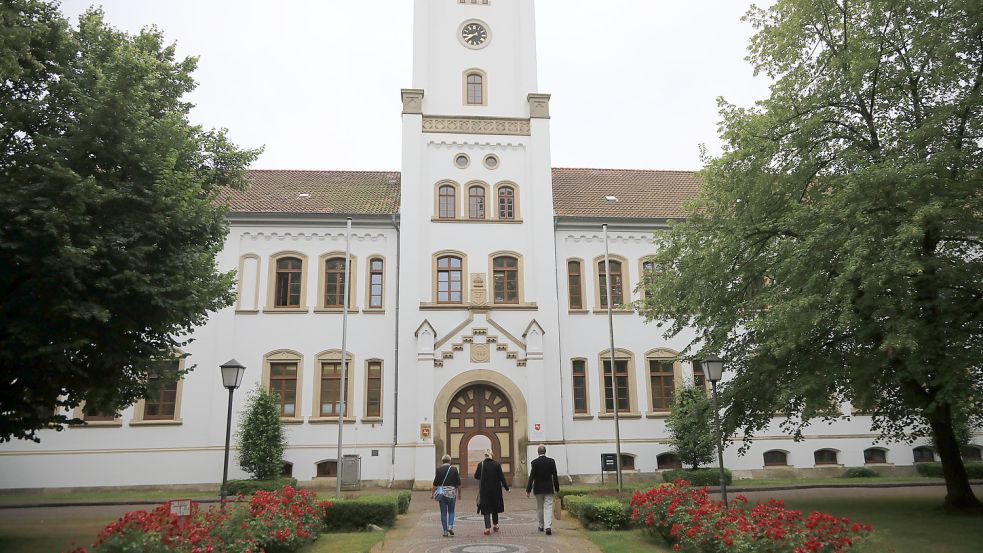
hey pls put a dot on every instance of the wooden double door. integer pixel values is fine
(480, 417)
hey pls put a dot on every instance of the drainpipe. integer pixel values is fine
(559, 338)
(392, 470)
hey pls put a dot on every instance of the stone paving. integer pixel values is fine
(419, 530)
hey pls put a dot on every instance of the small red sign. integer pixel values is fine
(537, 426)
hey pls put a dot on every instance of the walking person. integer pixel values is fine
(446, 488)
(544, 483)
(490, 501)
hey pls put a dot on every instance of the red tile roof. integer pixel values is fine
(641, 194)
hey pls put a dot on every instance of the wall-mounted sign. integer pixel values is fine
(425, 431)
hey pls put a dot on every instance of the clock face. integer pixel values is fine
(474, 35)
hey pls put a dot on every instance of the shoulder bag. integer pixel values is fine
(439, 490)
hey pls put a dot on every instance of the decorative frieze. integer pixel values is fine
(476, 125)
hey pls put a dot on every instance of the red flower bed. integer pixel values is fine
(689, 520)
(270, 522)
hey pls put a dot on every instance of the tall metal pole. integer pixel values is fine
(344, 351)
(720, 443)
(614, 372)
(228, 432)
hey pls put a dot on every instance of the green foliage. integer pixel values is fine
(403, 499)
(109, 219)
(249, 487)
(691, 429)
(356, 514)
(860, 472)
(698, 477)
(599, 513)
(833, 254)
(973, 469)
(262, 437)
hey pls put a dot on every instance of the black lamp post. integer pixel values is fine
(713, 370)
(232, 371)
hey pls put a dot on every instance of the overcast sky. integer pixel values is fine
(317, 82)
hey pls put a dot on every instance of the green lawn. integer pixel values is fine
(345, 542)
(46, 536)
(836, 481)
(102, 495)
(626, 542)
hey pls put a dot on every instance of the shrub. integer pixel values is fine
(249, 487)
(934, 470)
(601, 513)
(261, 435)
(860, 472)
(403, 501)
(689, 520)
(692, 439)
(698, 477)
(355, 514)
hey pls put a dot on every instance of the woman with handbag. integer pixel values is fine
(490, 501)
(446, 487)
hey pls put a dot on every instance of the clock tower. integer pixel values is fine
(478, 290)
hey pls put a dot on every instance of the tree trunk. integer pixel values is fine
(959, 494)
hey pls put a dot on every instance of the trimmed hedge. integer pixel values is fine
(352, 515)
(698, 477)
(403, 501)
(599, 513)
(973, 470)
(249, 487)
(860, 472)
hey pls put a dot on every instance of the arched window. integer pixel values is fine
(476, 202)
(334, 282)
(825, 457)
(449, 284)
(699, 378)
(580, 406)
(289, 273)
(505, 279)
(447, 202)
(376, 278)
(776, 458)
(923, 454)
(662, 382)
(283, 374)
(617, 290)
(623, 378)
(287, 469)
(874, 456)
(475, 89)
(506, 202)
(575, 284)
(668, 461)
(627, 461)
(162, 387)
(327, 388)
(327, 468)
(972, 453)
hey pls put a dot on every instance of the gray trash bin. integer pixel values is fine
(351, 472)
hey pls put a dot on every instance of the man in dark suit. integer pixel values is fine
(544, 483)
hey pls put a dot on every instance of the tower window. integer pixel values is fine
(475, 89)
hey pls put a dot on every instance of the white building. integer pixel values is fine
(476, 314)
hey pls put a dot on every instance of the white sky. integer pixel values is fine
(317, 82)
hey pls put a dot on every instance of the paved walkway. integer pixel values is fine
(419, 530)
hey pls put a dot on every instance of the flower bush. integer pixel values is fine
(690, 521)
(270, 522)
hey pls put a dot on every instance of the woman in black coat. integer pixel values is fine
(490, 501)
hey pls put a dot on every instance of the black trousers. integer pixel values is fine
(491, 519)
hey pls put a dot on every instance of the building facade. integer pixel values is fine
(477, 314)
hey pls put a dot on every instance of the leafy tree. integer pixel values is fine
(842, 225)
(261, 435)
(109, 224)
(691, 429)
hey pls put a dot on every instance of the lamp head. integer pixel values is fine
(232, 372)
(713, 367)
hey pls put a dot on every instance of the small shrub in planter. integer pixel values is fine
(934, 470)
(698, 477)
(249, 487)
(860, 472)
(599, 513)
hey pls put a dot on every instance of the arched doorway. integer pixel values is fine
(479, 417)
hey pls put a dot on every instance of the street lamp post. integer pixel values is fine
(614, 371)
(344, 353)
(232, 371)
(713, 370)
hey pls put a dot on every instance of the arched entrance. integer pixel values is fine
(480, 417)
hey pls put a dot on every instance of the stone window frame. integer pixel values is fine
(369, 271)
(678, 464)
(915, 458)
(436, 200)
(333, 355)
(465, 276)
(696, 371)
(286, 356)
(583, 304)
(382, 390)
(326, 463)
(586, 412)
(466, 96)
(662, 354)
(322, 282)
(516, 204)
(79, 413)
(520, 277)
(882, 450)
(271, 306)
(485, 191)
(643, 275)
(628, 461)
(139, 408)
(619, 354)
(834, 462)
(766, 463)
(624, 307)
(239, 282)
